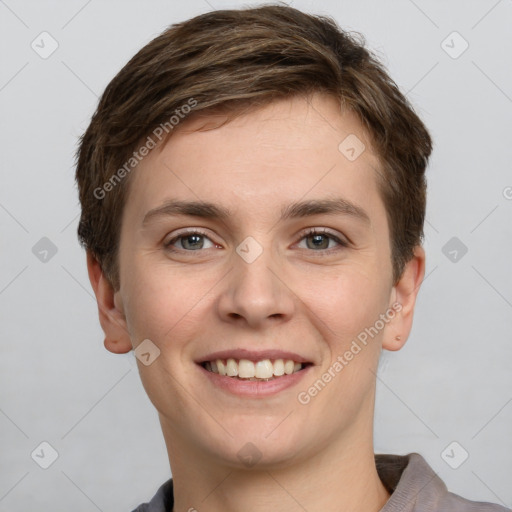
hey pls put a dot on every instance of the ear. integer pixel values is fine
(110, 310)
(403, 295)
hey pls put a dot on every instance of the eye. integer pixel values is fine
(321, 239)
(189, 241)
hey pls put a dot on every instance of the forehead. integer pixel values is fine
(289, 150)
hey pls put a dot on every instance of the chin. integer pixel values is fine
(250, 449)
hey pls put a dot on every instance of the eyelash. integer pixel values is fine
(309, 232)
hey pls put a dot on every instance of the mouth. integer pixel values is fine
(262, 370)
(253, 374)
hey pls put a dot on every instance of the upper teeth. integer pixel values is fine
(245, 369)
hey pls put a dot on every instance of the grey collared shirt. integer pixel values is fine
(413, 484)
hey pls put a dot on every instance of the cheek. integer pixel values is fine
(344, 310)
(343, 301)
(163, 303)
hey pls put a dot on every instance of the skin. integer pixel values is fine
(318, 456)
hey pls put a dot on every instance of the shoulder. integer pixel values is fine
(416, 487)
(162, 501)
(457, 503)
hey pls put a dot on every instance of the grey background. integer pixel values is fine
(451, 382)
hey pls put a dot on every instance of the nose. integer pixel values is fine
(256, 293)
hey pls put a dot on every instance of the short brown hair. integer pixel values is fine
(234, 60)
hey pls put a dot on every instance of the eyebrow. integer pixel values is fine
(207, 210)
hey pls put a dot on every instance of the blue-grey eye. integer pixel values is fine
(190, 241)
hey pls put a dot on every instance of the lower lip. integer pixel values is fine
(254, 388)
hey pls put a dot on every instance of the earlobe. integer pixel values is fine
(110, 310)
(117, 346)
(404, 294)
(396, 343)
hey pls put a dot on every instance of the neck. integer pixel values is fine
(342, 476)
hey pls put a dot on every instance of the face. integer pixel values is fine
(284, 256)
